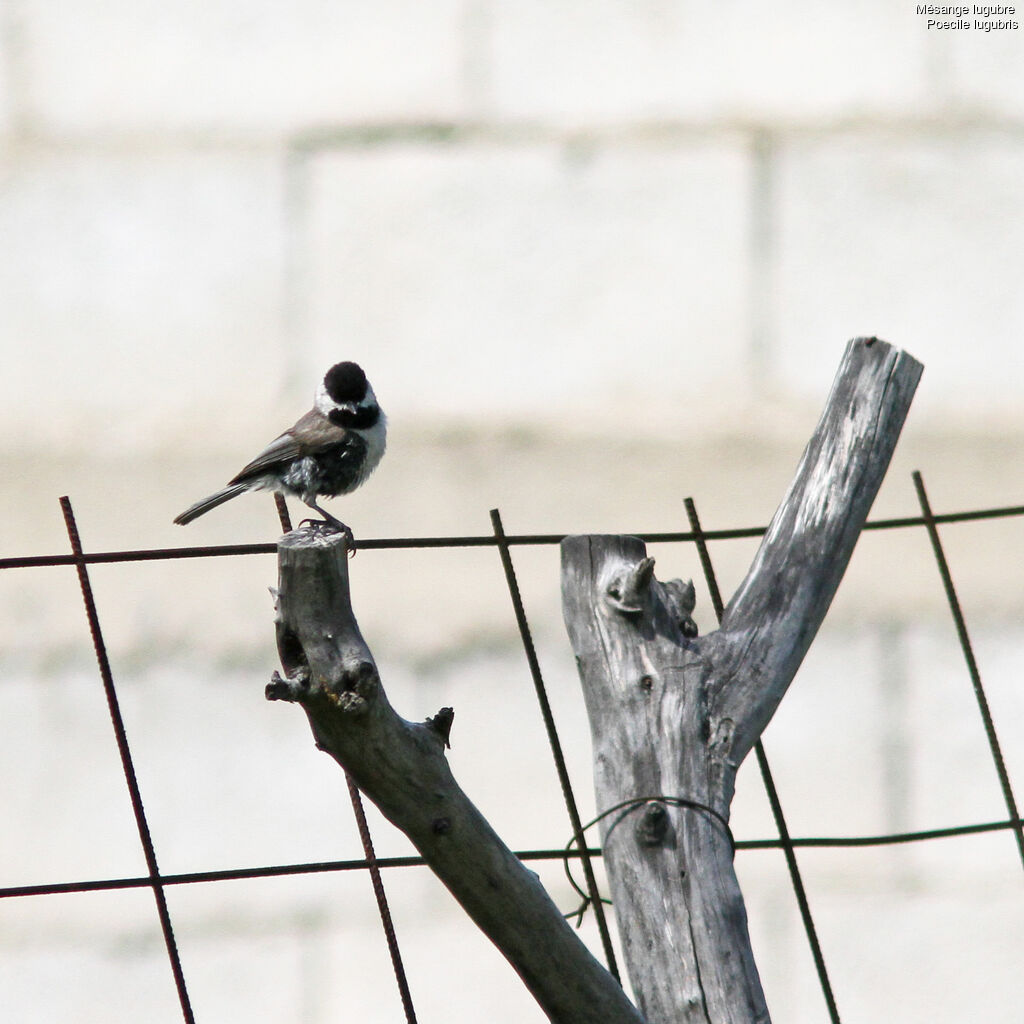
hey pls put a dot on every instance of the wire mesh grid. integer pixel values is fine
(579, 850)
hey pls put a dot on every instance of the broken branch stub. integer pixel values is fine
(402, 768)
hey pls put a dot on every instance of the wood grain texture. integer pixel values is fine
(402, 768)
(773, 617)
(674, 715)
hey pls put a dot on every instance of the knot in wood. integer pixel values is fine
(652, 827)
(628, 587)
(680, 599)
(355, 688)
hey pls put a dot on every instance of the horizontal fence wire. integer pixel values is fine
(561, 854)
(157, 881)
(488, 540)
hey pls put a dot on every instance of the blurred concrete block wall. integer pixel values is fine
(596, 257)
(600, 196)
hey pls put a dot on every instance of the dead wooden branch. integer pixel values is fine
(673, 715)
(402, 768)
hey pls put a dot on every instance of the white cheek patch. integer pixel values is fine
(323, 403)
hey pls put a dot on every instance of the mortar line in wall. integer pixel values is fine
(761, 266)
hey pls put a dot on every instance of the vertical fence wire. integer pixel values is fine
(380, 895)
(127, 764)
(972, 664)
(556, 745)
(366, 839)
(769, 785)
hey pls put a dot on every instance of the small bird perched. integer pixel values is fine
(330, 451)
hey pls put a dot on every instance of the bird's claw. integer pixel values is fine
(335, 526)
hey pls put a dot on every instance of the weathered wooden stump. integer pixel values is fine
(673, 715)
(402, 768)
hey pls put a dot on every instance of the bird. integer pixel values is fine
(329, 451)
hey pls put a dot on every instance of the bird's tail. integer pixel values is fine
(201, 507)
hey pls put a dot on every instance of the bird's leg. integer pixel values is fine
(336, 524)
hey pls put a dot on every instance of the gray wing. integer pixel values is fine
(311, 434)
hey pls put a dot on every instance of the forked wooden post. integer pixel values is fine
(402, 768)
(673, 715)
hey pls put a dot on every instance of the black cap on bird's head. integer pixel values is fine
(345, 382)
